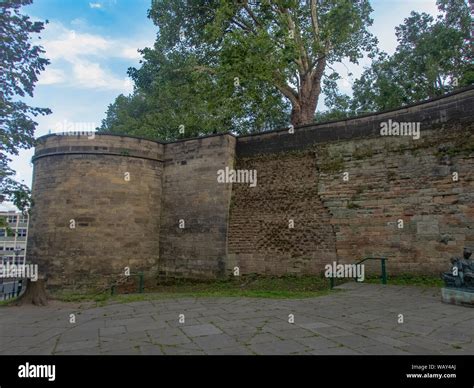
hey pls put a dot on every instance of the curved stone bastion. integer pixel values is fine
(398, 184)
(94, 198)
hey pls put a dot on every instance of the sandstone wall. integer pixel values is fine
(83, 181)
(191, 194)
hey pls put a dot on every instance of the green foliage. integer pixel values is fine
(20, 65)
(240, 66)
(431, 59)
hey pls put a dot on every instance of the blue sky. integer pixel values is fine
(91, 44)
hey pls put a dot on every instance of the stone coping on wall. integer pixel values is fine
(94, 144)
(456, 107)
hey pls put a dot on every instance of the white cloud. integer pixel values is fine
(91, 75)
(83, 58)
(70, 44)
(95, 5)
(51, 76)
(131, 52)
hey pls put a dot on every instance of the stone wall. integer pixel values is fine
(400, 179)
(390, 178)
(342, 186)
(193, 197)
(280, 226)
(91, 220)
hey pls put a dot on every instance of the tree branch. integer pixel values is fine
(242, 25)
(314, 19)
(303, 62)
(288, 92)
(251, 14)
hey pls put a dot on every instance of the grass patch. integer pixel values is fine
(251, 286)
(75, 296)
(7, 302)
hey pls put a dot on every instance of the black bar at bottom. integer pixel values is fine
(194, 371)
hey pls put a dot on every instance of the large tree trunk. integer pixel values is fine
(304, 108)
(35, 293)
(303, 112)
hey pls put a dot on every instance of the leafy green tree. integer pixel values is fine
(433, 57)
(172, 91)
(20, 65)
(244, 65)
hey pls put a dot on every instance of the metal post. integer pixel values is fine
(141, 286)
(384, 272)
(20, 286)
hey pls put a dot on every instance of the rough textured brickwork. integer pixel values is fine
(299, 177)
(113, 226)
(260, 237)
(393, 179)
(390, 178)
(193, 195)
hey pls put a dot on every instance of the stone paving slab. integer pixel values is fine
(362, 319)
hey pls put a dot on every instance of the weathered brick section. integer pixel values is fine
(260, 237)
(113, 227)
(393, 179)
(192, 194)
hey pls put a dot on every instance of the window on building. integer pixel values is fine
(21, 233)
(23, 219)
(11, 219)
(8, 259)
(3, 232)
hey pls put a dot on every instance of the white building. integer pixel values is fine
(12, 248)
(13, 238)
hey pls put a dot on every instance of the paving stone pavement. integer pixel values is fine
(361, 319)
